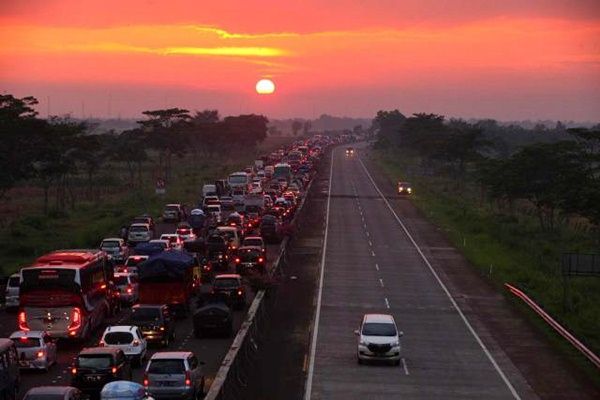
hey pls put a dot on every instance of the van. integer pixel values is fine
(209, 190)
(12, 291)
(9, 378)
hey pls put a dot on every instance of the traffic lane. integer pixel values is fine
(440, 353)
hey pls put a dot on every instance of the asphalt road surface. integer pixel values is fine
(371, 265)
(209, 350)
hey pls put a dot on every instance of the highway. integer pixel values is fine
(209, 350)
(371, 265)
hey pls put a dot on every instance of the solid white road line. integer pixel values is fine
(445, 289)
(313, 344)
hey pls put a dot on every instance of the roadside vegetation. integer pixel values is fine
(513, 200)
(62, 187)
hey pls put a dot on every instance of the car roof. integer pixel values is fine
(15, 275)
(166, 355)
(29, 334)
(228, 276)
(173, 205)
(227, 228)
(149, 306)
(169, 235)
(257, 248)
(100, 350)
(51, 390)
(138, 256)
(120, 328)
(123, 274)
(380, 318)
(253, 237)
(138, 224)
(112, 238)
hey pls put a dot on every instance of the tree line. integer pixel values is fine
(55, 153)
(554, 170)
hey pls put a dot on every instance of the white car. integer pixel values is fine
(36, 349)
(116, 248)
(378, 339)
(175, 241)
(131, 264)
(11, 294)
(140, 233)
(129, 288)
(127, 338)
(214, 210)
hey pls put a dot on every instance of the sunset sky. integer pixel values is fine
(510, 59)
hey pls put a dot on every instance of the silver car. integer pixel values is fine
(174, 375)
(140, 233)
(115, 248)
(12, 291)
(36, 349)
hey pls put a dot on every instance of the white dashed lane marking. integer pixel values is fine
(381, 282)
(387, 303)
(377, 267)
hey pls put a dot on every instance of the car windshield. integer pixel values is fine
(14, 281)
(171, 208)
(100, 361)
(214, 209)
(253, 242)
(378, 329)
(109, 244)
(145, 314)
(166, 367)
(238, 179)
(226, 283)
(118, 338)
(138, 229)
(25, 342)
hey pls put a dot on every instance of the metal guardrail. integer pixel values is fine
(555, 325)
(231, 378)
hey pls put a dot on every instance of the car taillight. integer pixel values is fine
(260, 259)
(136, 343)
(114, 370)
(237, 260)
(146, 383)
(74, 371)
(75, 320)
(101, 343)
(129, 289)
(240, 292)
(188, 378)
(23, 321)
(162, 328)
(40, 354)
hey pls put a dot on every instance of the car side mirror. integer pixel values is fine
(400, 334)
(357, 332)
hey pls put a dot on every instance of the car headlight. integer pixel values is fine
(364, 343)
(409, 190)
(396, 343)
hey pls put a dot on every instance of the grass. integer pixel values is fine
(33, 233)
(513, 249)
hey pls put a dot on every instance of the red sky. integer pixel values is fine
(526, 59)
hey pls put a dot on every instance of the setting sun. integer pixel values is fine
(265, 86)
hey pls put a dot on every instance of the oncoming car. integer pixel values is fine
(350, 151)
(378, 339)
(404, 188)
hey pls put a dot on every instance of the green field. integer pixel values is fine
(84, 226)
(510, 248)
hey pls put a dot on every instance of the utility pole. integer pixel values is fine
(47, 106)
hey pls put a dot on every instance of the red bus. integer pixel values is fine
(65, 293)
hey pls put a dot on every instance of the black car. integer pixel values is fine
(155, 322)
(231, 288)
(250, 259)
(96, 366)
(214, 317)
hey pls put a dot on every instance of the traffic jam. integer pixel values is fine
(121, 320)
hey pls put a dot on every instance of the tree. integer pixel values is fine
(388, 124)
(306, 127)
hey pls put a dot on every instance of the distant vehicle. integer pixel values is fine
(269, 171)
(282, 171)
(144, 219)
(378, 339)
(222, 187)
(404, 188)
(214, 210)
(155, 322)
(238, 195)
(174, 374)
(127, 338)
(259, 164)
(231, 234)
(12, 291)
(53, 393)
(350, 151)
(255, 241)
(116, 248)
(214, 317)
(65, 293)
(250, 259)
(227, 203)
(184, 230)
(209, 190)
(165, 244)
(124, 390)
(10, 378)
(211, 199)
(94, 367)
(140, 233)
(36, 349)
(239, 180)
(128, 286)
(175, 241)
(230, 287)
(173, 212)
(131, 264)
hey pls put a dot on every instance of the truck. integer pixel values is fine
(209, 190)
(282, 170)
(168, 278)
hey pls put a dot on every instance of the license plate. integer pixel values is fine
(166, 383)
(24, 363)
(93, 378)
